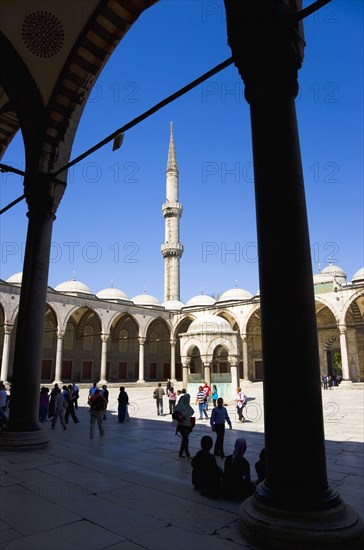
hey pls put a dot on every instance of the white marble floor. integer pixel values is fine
(130, 491)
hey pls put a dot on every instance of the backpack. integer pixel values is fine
(98, 404)
(177, 415)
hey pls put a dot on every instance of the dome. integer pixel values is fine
(209, 323)
(112, 294)
(235, 294)
(330, 274)
(145, 300)
(358, 276)
(201, 300)
(15, 279)
(73, 288)
(173, 304)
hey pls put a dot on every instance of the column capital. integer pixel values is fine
(105, 336)
(343, 329)
(141, 340)
(42, 192)
(8, 328)
(267, 45)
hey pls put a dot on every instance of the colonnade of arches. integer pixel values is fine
(81, 348)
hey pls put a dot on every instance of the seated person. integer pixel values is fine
(260, 466)
(206, 474)
(236, 481)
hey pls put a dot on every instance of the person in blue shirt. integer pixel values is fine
(218, 418)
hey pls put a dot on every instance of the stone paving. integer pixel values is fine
(130, 491)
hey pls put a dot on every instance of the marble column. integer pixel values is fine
(234, 378)
(141, 359)
(59, 352)
(245, 357)
(185, 368)
(104, 339)
(8, 329)
(344, 354)
(207, 373)
(294, 506)
(173, 361)
(24, 430)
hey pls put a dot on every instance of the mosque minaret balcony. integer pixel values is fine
(172, 209)
(172, 250)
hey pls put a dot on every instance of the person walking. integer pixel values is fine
(172, 396)
(123, 402)
(207, 389)
(214, 395)
(158, 396)
(43, 404)
(52, 400)
(97, 406)
(184, 425)
(70, 411)
(60, 405)
(76, 394)
(200, 401)
(218, 418)
(105, 395)
(240, 400)
(92, 390)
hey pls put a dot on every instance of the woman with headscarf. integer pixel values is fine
(236, 482)
(184, 425)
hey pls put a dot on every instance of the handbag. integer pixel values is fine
(192, 421)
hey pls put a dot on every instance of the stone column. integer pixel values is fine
(24, 430)
(245, 357)
(104, 339)
(141, 359)
(234, 378)
(58, 372)
(173, 361)
(207, 373)
(8, 329)
(344, 354)
(185, 374)
(294, 506)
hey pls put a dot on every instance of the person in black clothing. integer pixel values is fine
(105, 395)
(123, 400)
(260, 466)
(206, 474)
(237, 483)
(68, 395)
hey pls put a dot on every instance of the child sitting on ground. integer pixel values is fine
(206, 474)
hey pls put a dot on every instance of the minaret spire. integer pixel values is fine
(172, 249)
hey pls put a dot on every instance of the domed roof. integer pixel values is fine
(112, 294)
(330, 274)
(209, 323)
(74, 288)
(173, 304)
(201, 300)
(235, 294)
(358, 276)
(145, 300)
(15, 279)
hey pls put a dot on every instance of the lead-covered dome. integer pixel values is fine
(201, 300)
(173, 305)
(209, 323)
(112, 294)
(73, 288)
(145, 300)
(15, 279)
(358, 276)
(330, 274)
(235, 294)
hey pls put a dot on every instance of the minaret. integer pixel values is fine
(171, 249)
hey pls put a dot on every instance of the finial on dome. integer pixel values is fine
(73, 275)
(236, 283)
(171, 126)
(202, 292)
(145, 291)
(112, 283)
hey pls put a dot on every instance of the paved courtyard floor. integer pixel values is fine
(130, 491)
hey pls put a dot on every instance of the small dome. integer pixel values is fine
(358, 276)
(201, 300)
(74, 288)
(330, 274)
(235, 294)
(209, 323)
(15, 279)
(145, 300)
(112, 294)
(173, 305)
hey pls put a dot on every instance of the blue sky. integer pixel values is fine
(109, 225)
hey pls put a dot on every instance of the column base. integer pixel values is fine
(272, 528)
(23, 441)
(346, 385)
(140, 381)
(102, 382)
(59, 382)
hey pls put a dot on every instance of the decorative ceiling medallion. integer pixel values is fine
(43, 34)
